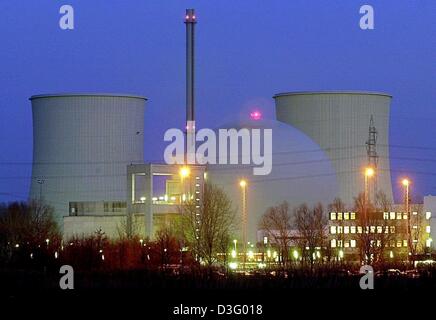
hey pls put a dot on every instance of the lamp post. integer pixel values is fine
(369, 172)
(243, 185)
(406, 183)
(184, 173)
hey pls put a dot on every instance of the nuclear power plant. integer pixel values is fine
(88, 157)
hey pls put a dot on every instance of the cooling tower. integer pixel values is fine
(82, 144)
(339, 122)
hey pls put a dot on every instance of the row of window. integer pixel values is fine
(359, 229)
(368, 229)
(334, 243)
(342, 216)
(396, 215)
(386, 215)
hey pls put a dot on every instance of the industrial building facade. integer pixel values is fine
(393, 235)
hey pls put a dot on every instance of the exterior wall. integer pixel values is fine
(339, 123)
(385, 229)
(112, 226)
(430, 206)
(82, 145)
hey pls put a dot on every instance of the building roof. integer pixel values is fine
(86, 94)
(332, 92)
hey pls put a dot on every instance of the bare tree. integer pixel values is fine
(27, 224)
(311, 225)
(276, 222)
(206, 225)
(337, 206)
(375, 234)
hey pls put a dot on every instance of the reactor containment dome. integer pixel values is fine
(301, 173)
(82, 144)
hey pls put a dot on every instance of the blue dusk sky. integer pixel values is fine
(247, 51)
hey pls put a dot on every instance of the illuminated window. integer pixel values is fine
(332, 215)
(359, 229)
(404, 243)
(346, 229)
(404, 216)
(415, 227)
(333, 243)
(339, 215)
(392, 243)
(346, 216)
(392, 229)
(414, 213)
(386, 229)
(427, 229)
(378, 243)
(399, 243)
(353, 229)
(372, 229)
(428, 215)
(392, 215)
(332, 229)
(340, 229)
(428, 243)
(340, 243)
(346, 244)
(399, 215)
(379, 229)
(353, 243)
(385, 215)
(353, 215)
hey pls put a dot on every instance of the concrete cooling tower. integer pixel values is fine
(339, 122)
(82, 144)
(301, 173)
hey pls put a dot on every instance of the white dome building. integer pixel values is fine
(301, 173)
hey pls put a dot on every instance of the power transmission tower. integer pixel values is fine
(371, 151)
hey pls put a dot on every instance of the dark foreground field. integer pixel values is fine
(17, 280)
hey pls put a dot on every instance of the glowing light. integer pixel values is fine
(251, 254)
(243, 183)
(256, 115)
(268, 253)
(233, 253)
(341, 254)
(369, 172)
(405, 182)
(142, 199)
(295, 254)
(261, 265)
(391, 254)
(184, 172)
(233, 265)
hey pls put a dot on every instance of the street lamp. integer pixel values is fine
(369, 172)
(406, 183)
(184, 173)
(243, 185)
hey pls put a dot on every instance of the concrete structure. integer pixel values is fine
(156, 191)
(82, 145)
(301, 172)
(430, 206)
(339, 122)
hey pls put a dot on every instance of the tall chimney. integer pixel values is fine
(190, 21)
